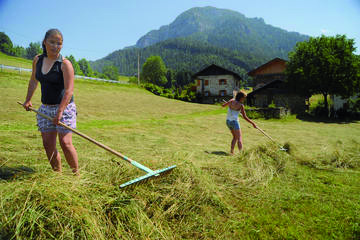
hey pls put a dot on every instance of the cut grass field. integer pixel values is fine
(312, 192)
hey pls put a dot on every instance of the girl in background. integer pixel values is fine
(236, 106)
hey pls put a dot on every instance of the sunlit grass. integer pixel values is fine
(262, 193)
(15, 61)
(26, 63)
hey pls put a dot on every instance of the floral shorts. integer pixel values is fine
(68, 118)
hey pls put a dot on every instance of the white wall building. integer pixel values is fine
(215, 82)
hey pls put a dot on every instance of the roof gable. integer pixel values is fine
(215, 70)
(274, 83)
(275, 61)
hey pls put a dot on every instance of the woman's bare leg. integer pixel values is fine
(240, 143)
(49, 142)
(233, 141)
(69, 151)
(236, 138)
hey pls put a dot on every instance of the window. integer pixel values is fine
(206, 93)
(206, 82)
(198, 82)
(222, 82)
(222, 93)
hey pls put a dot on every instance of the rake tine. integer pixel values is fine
(267, 135)
(149, 176)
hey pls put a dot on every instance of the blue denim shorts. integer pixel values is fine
(68, 118)
(233, 125)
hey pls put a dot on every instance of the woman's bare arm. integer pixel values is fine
(33, 83)
(243, 113)
(68, 73)
(227, 103)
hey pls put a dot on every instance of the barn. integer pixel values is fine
(270, 88)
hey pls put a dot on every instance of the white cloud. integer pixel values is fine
(325, 31)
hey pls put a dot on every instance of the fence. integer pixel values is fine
(76, 76)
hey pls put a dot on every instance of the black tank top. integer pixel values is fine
(52, 83)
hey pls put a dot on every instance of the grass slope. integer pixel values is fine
(26, 63)
(15, 61)
(262, 193)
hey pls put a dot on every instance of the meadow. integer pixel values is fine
(26, 63)
(310, 192)
(15, 61)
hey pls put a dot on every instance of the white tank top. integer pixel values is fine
(232, 115)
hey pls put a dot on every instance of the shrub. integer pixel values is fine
(354, 104)
(272, 105)
(169, 93)
(133, 80)
(317, 108)
(182, 94)
(157, 90)
(252, 113)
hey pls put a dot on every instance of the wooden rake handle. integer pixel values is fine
(266, 134)
(83, 135)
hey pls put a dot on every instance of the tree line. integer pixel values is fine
(156, 77)
(81, 67)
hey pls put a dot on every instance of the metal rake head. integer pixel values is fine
(283, 149)
(286, 147)
(147, 177)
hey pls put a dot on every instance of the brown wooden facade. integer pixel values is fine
(268, 72)
(270, 88)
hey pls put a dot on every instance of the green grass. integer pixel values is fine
(26, 63)
(262, 193)
(123, 78)
(15, 61)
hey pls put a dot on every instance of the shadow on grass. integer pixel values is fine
(323, 119)
(219, 153)
(8, 173)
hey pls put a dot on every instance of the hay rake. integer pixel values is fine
(282, 148)
(150, 173)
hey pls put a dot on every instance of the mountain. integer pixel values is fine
(206, 35)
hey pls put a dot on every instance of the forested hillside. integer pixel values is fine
(178, 54)
(201, 36)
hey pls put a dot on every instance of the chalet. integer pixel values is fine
(270, 88)
(214, 83)
(268, 72)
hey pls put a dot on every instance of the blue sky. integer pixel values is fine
(93, 29)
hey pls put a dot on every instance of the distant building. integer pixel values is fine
(268, 72)
(270, 88)
(343, 105)
(214, 83)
